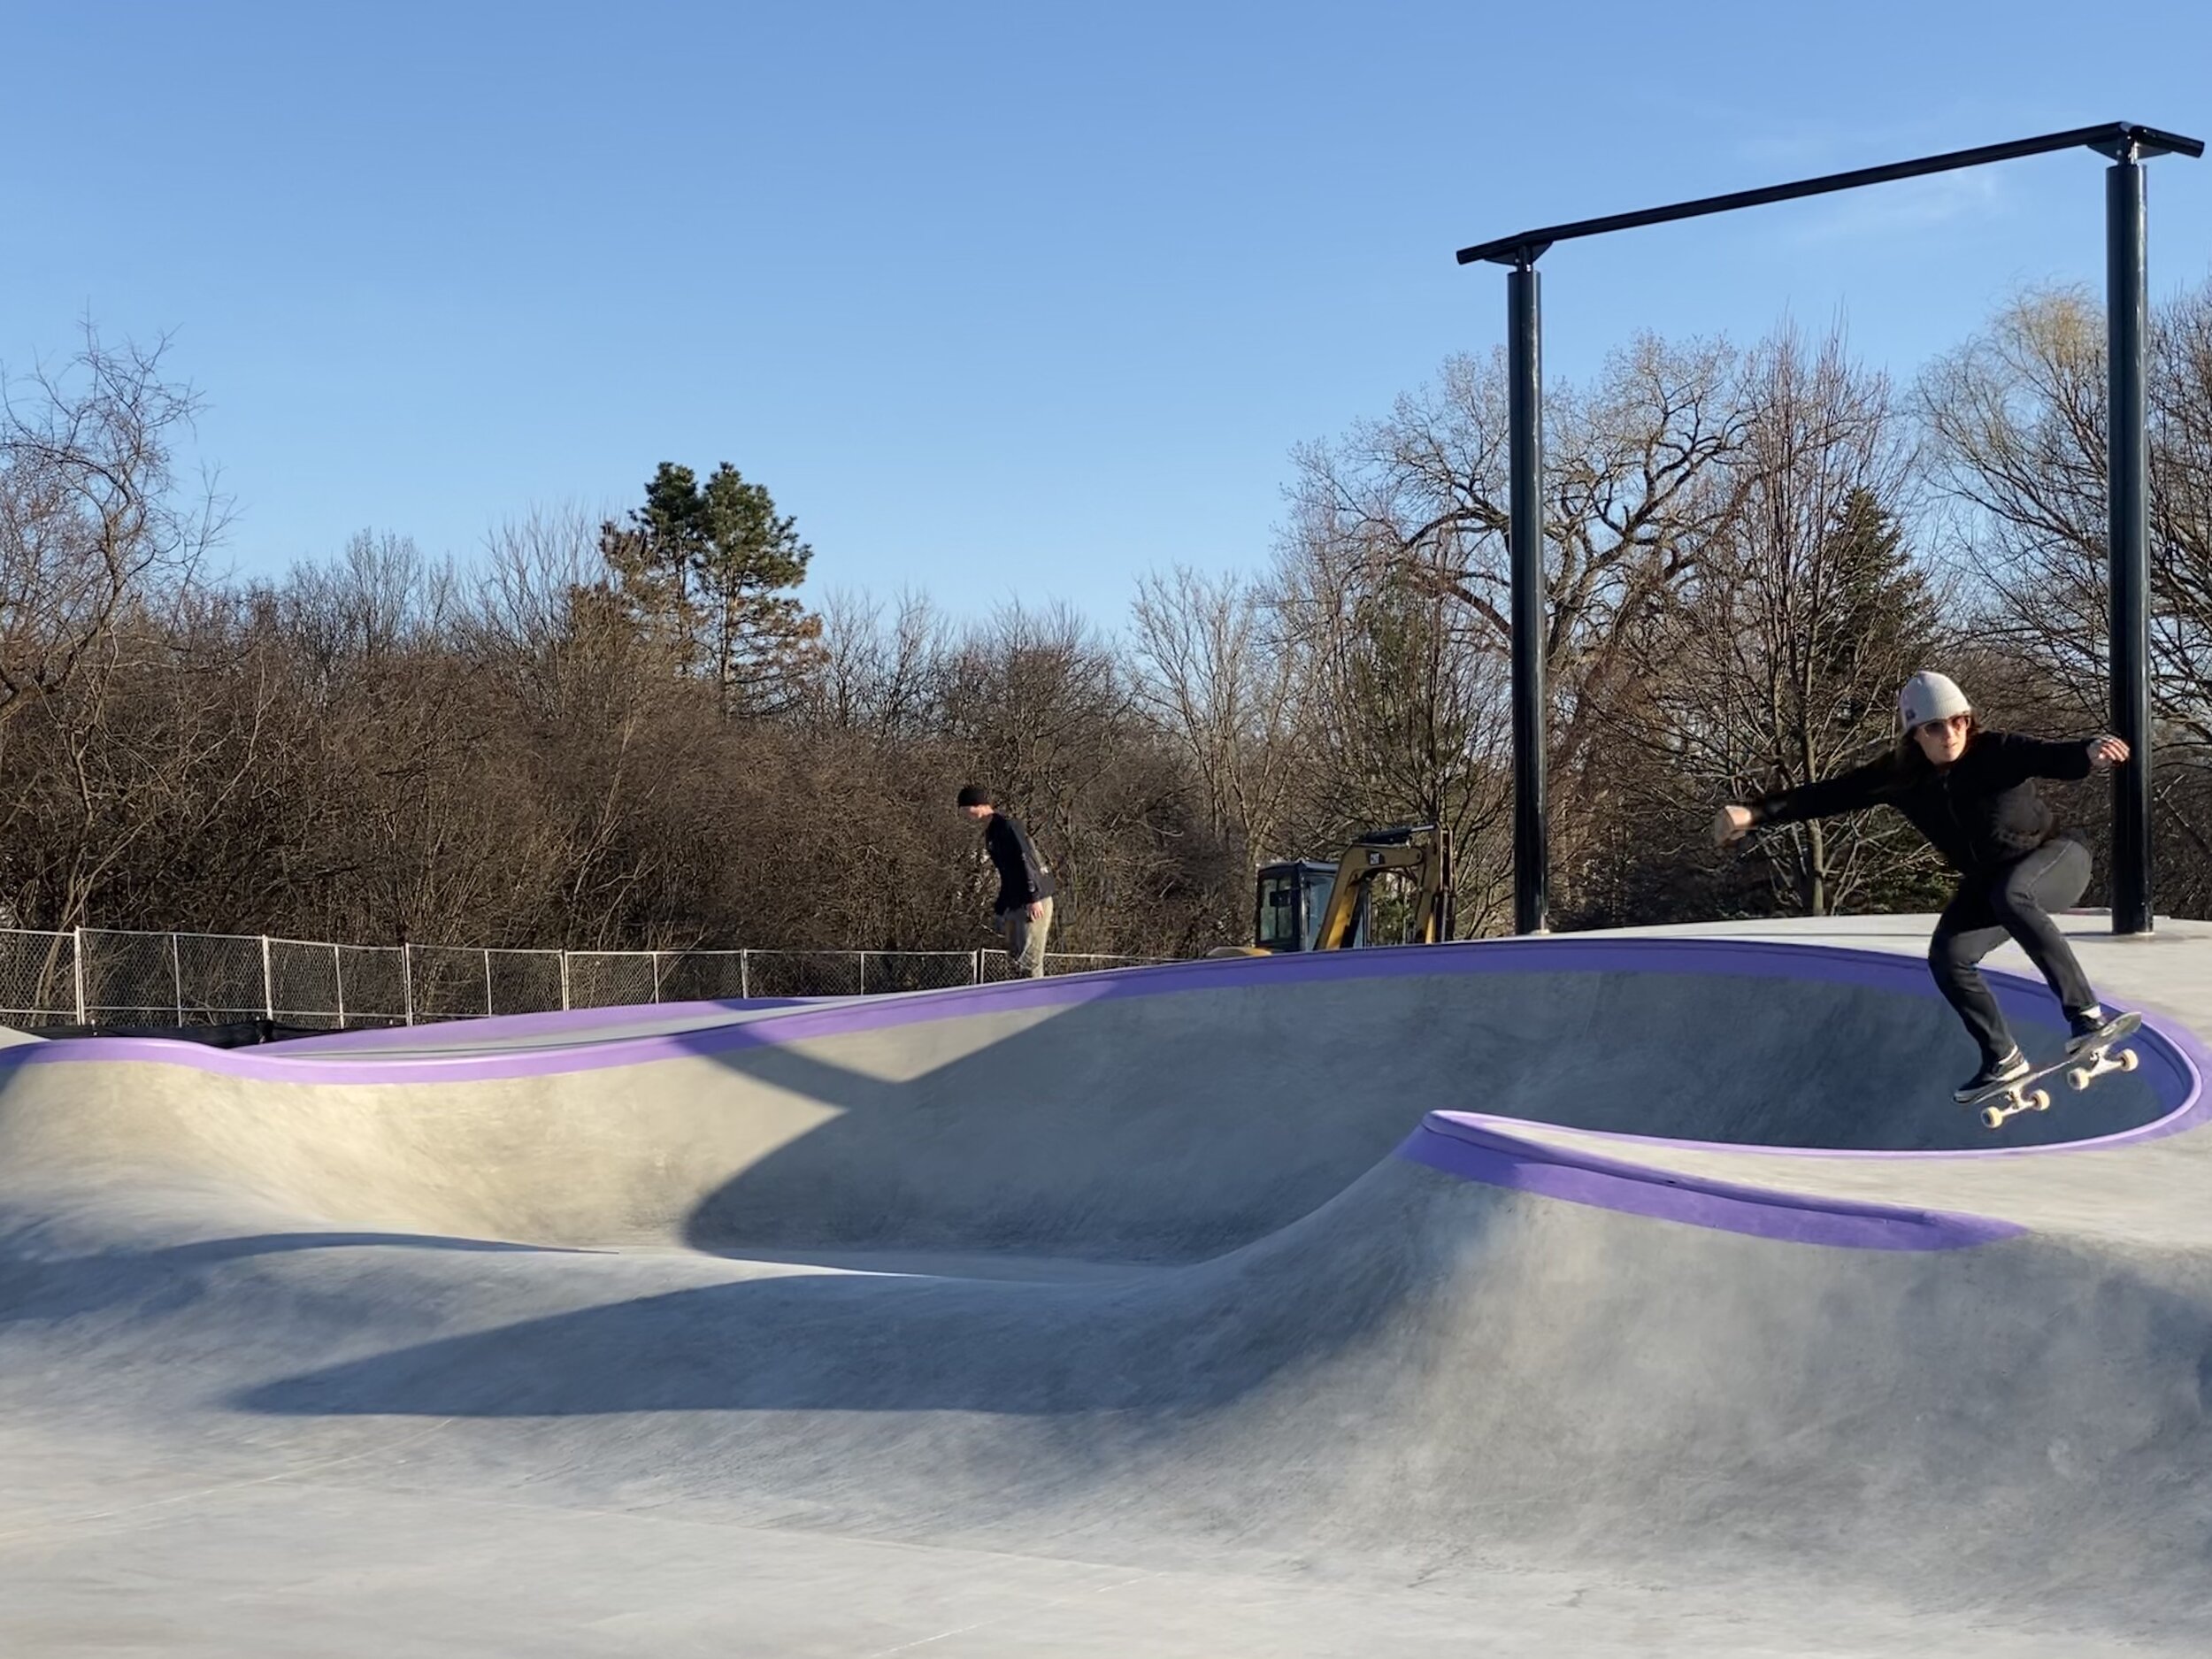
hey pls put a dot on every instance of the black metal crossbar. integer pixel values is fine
(2112, 139)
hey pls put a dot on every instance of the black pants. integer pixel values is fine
(2012, 899)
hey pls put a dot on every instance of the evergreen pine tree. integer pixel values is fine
(709, 568)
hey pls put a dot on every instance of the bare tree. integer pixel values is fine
(1401, 695)
(1637, 484)
(875, 675)
(134, 764)
(91, 509)
(1634, 483)
(2019, 417)
(1776, 662)
(1220, 684)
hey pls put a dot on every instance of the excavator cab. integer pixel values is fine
(1293, 898)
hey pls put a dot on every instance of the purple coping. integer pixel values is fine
(1478, 1153)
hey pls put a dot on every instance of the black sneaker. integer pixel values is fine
(1995, 1075)
(2089, 1027)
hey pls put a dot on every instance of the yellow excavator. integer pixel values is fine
(1308, 904)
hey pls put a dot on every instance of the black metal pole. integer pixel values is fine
(1524, 533)
(2127, 337)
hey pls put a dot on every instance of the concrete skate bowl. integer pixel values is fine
(1192, 1268)
(1147, 1115)
(1170, 1113)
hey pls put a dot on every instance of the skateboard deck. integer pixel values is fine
(2084, 1067)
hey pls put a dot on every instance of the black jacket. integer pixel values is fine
(1979, 812)
(1023, 878)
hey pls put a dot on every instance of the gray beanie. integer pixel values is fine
(1931, 696)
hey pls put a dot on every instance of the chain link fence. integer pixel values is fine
(38, 979)
(110, 976)
(613, 978)
(219, 976)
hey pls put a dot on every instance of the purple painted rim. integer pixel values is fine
(2175, 1061)
(1478, 1153)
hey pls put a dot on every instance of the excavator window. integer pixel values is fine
(1280, 925)
(1319, 879)
(1293, 898)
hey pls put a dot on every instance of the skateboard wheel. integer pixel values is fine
(2128, 1057)
(1991, 1118)
(2079, 1077)
(2040, 1101)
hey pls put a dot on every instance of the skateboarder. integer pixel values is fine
(1971, 793)
(1024, 910)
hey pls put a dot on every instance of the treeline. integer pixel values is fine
(650, 733)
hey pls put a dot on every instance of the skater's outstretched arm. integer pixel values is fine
(1851, 791)
(2067, 760)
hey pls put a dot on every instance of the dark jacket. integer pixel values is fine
(1979, 812)
(1023, 878)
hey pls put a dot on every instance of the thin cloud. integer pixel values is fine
(1910, 204)
(1812, 149)
(1808, 148)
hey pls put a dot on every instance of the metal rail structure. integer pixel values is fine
(117, 976)
(2127, 310)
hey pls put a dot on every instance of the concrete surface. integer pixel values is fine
(1597, 1296)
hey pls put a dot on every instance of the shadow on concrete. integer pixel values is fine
(1149, 1341)
(1172, 1128)
(35, 1287)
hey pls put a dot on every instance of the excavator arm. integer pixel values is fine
(1425, 852)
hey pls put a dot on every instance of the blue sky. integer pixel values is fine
(999, 300)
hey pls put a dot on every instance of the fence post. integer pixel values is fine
(655, 957)
(563, 982)
(268, 981)
(487, 983)
(338, 973)
(744, 975)
(176, 972)
(407, 980)
(76, 955)
(863, 973)
(975, 967)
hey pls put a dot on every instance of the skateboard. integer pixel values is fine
(2081, 1068)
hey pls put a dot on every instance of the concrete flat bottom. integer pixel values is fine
(300, 1565)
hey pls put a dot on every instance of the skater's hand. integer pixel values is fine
(2107, 750)
(1731, 825)
(1037, 911)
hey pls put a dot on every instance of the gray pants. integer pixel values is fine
(2016, 900)
(1025, 939)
